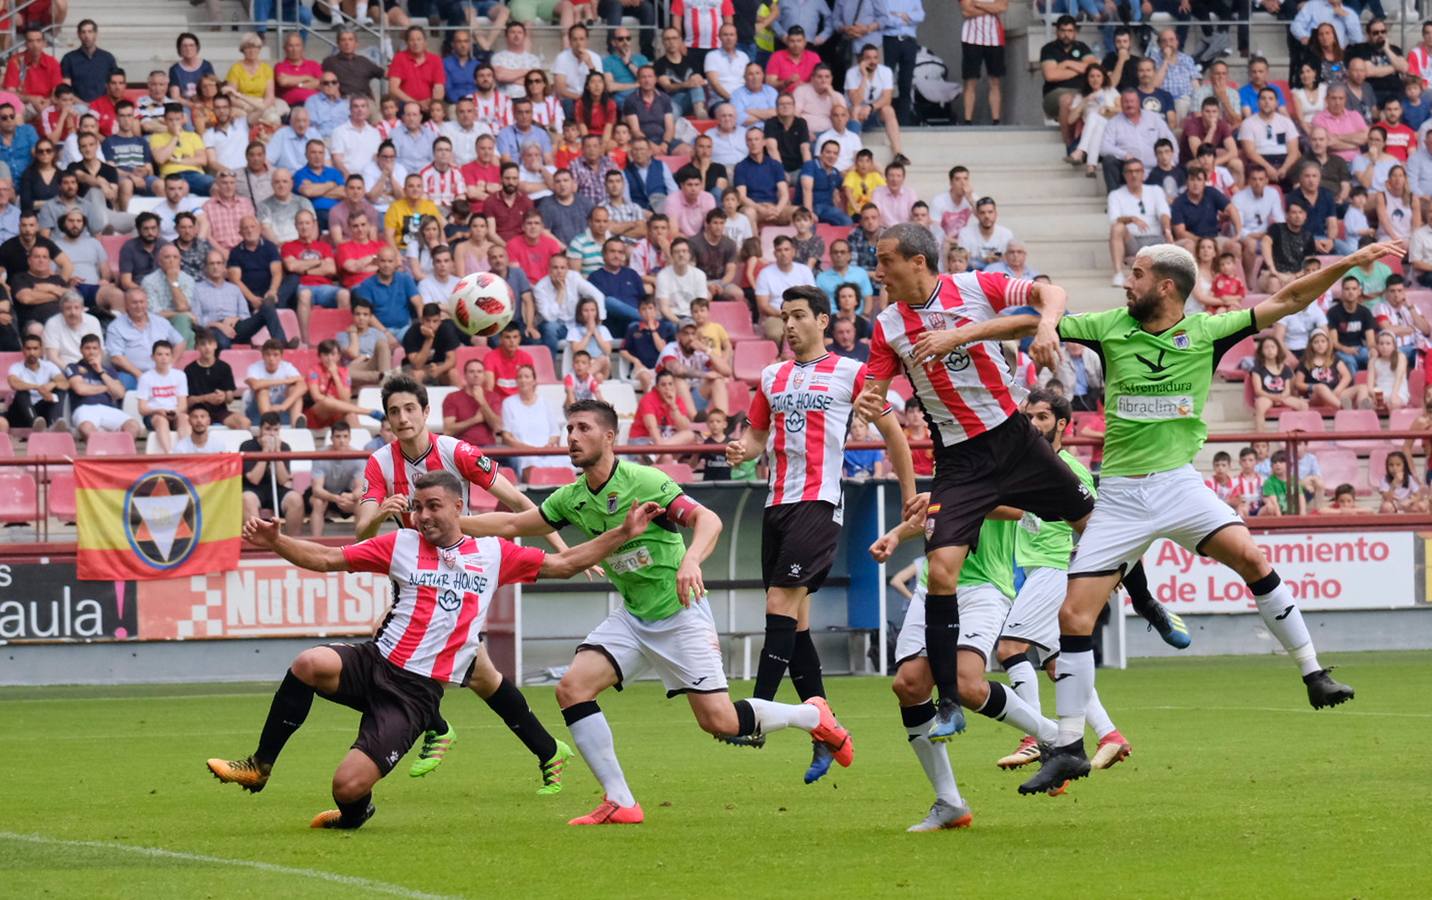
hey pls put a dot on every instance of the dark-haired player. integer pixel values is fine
(799, 417)
(390, 473)
(445, 584)
(664, 622)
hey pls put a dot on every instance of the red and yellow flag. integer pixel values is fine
(141, 521)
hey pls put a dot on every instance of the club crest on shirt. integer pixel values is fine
(612, 503)
(937, 321)
(798, 379)
(1180, 340)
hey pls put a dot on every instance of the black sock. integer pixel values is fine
(291, 703)
(353, 813)
(1136, 582)
(942, 635)
(507, 701)
(805, 668)
(437, 723)
(745, 718)
(775, 656)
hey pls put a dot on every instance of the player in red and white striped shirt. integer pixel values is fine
(800, 415)
(943, 331)
(390, 473)
(441, 179)
(701, 23)
(444, 584)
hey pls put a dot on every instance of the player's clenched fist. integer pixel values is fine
(735, 453)
(393, 505)
(639, 517)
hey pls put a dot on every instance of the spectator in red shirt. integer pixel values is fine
(467, 415)
(104, 107)
(502, 365)
(330, 391)
(531, 249)
(509, 208)
(33, 74)
(313, 262)
(789, 68)
(662, 417)
(357, 259)
(414, 73)
(1400, 139)
(483, 176)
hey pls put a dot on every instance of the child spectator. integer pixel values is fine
(1355, 219)
(715, 466)
(1248, 486)
(810, 247)
(862, 463)
(580, 383)
(1272, 381)
(1275, 488)
(590, 337)
(1228, 286)
(1387, 375)
(861, 181)
(163, 397)
(1400, 491)
(1221, 482)
(1323, 379)
(1344, 502)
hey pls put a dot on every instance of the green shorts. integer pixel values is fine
(525, 11)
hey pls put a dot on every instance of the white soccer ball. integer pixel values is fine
(482, 304)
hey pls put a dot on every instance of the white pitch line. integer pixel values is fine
(377, 887)
(111, 699)
(1285, 709)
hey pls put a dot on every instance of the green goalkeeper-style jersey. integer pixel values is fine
(1048, 545)
(992, 563)
(643, 570)
(1155, 385)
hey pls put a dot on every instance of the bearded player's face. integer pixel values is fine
(586, 439)
(1141, 291)
(1042, 418)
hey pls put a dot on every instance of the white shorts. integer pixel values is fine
(982, 612)
(105, 418)
(1034, 617)
(684, 649)
(1131, 513)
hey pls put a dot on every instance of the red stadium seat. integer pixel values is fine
(1228, 368)
(549, 475)
(304, 360)
(1301, 420)
(702, 125)
(1416, 385)
(680, 473)
(110, 443)
(739, 393)
(1402, 419)
(324, 324)
(903, 387)
(239, 359)
(830, 234)
(751, 357)
(60, 495)
(1357, 420)
(112, 244)
(185, 358)
(735, 318)
(53, 444)
(289, 320)
(1340, 467)
(463, 354)
(542, 362)
(769, 233)
(1377, 468)
(8, 359)
(17, 496)
(7, 449)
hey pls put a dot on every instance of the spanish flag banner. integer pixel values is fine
(142, 521)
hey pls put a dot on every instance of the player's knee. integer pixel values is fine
(307, 666)
(570, 693)
(972, 688)
(350, 784)
(1073, 620)
(910, 689)
(1008, 648)
(717, 721)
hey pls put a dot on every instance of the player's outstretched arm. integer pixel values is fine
(265, 533)
(705, 528)
(1295, 296)
(884, 547)
(509, 496)
(898, 449)
(939, 344)
(587, 554)
(871, 403)
(750, 445)
(527, 523)
(369, 516)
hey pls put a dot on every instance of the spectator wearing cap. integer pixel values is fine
(700, 376)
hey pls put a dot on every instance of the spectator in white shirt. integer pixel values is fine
(572, 65)
(870, 88)
(164, 397)
(679, 283)
(1269, 139)
(985, 238)
(728, 141)
(1260, 206)
(1139, 217)
(39, 401)
(438, 287)
(64, 330)
(841, 133)
(557, 296)
(529, 422)
(771, 286)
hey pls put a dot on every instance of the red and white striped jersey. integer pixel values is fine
(548, 113)
(440, 596)
(984, 31)
(442, 187)
(701, 20)
(805, 410)
(390, 472)
(968, 392)
(1223, 491)
(1247, 487)
(496, 110)
(1419, 63)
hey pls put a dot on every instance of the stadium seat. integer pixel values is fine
(1301, 420)
(289, 320)
(1377, 468)
(903, 387)
(1416, 385)
(299, 440)
(185, 358)
(436, 396)
(8, 359)
(735, 318)
(740, 396)
(701, 125)
(751, 357)
(305, 360)
(554, 395)
(554, 476)
(622, 397)
(830, 234)
(769, 233)
(680, 473)
(231, 439)
(112, 244)
(324, 324)
(1340, 467)
(110, 443)
(54, 444)
(60, 495)
(17, 496)
(1357, 420)
(239, 359)
(7, 448)
(1402, 419)
(360, 438)
(1228, 367)
(372, 398)
(542, 362)
(462, 354)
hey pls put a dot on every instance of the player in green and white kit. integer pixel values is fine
(985, 587)
(664, 623)
(1042, 550)
(1158, 366)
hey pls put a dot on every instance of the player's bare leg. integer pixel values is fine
(315, 669)
(590, 674)
(942, 624)
(352, 791)
(913, 686)
(1235, 548)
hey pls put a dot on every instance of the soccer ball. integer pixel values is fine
(481, 304)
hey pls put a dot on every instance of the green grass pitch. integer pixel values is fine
(1236, 788)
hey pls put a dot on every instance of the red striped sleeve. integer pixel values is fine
(377, 486)
(520, 565)
(373, 555)
(883, 363)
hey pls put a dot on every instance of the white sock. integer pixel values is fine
(772, 716)
(1072, 693)
(593, 737)
(1024, 681)
(933, 757)
(1004, 705)
(1097, 716)
(1282, 617)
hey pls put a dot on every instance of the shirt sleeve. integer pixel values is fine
(1086, 327)
(1225, 325)
(520, 565)
(1003, 291)
(759, 414)
(474, 465)
(882, 362)
(373, 555)
(554, 508)
(375, 487)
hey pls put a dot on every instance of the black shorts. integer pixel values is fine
(798, 542)
(396, 704)
(1009, 465)
(266, 495)
(973, 55)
